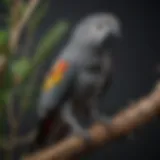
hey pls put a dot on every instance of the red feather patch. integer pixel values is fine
(56, 74)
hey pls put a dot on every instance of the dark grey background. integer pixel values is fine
(134, 70)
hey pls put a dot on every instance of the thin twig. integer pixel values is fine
(17, 27)
(123, 123)
(17, 141)
(15, 11)
(17, 30)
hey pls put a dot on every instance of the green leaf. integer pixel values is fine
(4, 98)
(7, 79)
(23, 7)
(46, 44)
(49, 41)
(3, 37)
(37, 17)
(21, 66)
(29, 94)
(6, 2)
(2, 102)
(4, 50)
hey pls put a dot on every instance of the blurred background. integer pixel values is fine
(135, 66)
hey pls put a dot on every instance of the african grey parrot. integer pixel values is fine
(81, 72)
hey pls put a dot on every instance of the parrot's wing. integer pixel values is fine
(56, 86)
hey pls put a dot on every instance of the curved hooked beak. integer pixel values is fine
(112, 40)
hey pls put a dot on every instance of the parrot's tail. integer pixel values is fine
(50, 130)
(42, 133)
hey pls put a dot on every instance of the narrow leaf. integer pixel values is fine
(49, 41)
(7, 78)
(3, 37)
(37, 17)
(20, 67)
(6, 2)
(46, 44)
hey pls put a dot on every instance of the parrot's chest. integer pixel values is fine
(89, 79)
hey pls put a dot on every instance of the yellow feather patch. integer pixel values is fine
(55, 75)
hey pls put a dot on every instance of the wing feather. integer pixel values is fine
(56, 86)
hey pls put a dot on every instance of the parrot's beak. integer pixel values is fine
(111, 41)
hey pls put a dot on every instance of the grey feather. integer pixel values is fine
(90, 65)
(50, 99)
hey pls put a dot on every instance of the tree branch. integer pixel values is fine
(18, 28)
(123, 123)
(15, 11)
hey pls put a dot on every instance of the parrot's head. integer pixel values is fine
(96, 29)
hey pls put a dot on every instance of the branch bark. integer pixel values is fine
(16, 31)
(123, 123)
